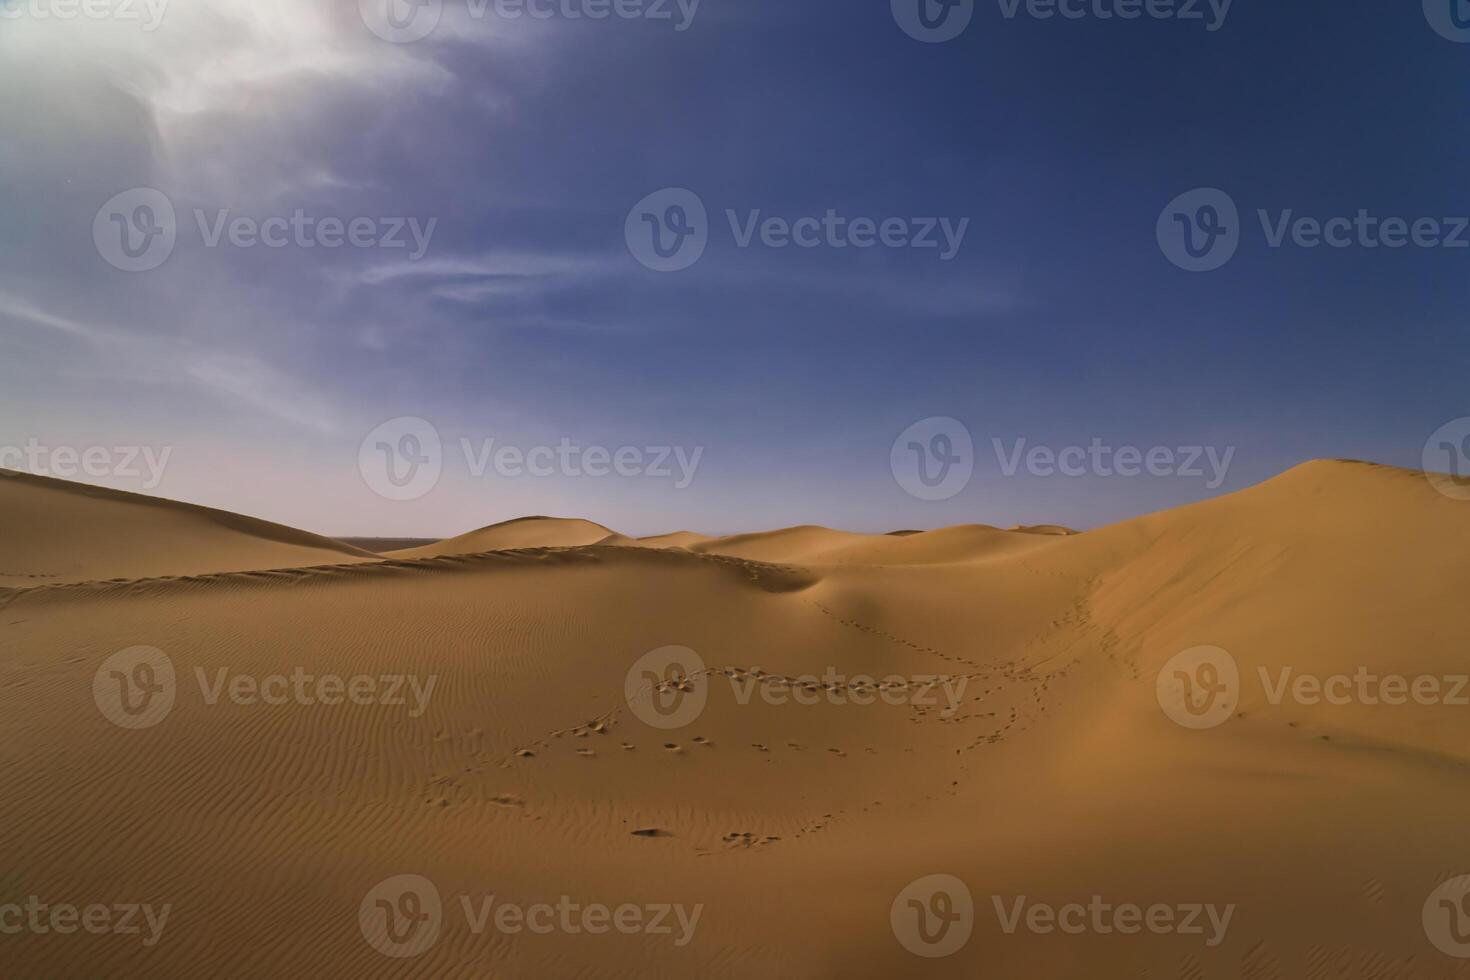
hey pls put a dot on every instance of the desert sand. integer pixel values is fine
(527, 772)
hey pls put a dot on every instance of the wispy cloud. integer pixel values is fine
(493, 272)
(264, 389)
(120, 355)
(15, 309)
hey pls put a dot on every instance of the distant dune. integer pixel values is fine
(789, 544)
(678, 539)
(382, 546)
(59, 532)
(1057, 775)
(525, 532)
(1043, 529)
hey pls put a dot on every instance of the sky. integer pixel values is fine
(407, 269)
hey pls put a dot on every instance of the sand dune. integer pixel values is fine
(54, 531)
(801, 831)
(968, 542)
(788, 544)
(1042, 529)
(525, 532)
(678, 539)
(808, 544)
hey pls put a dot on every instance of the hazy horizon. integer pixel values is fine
(723, 531)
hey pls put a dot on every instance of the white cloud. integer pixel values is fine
(233, 92)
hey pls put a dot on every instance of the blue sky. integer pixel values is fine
(524, 144)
